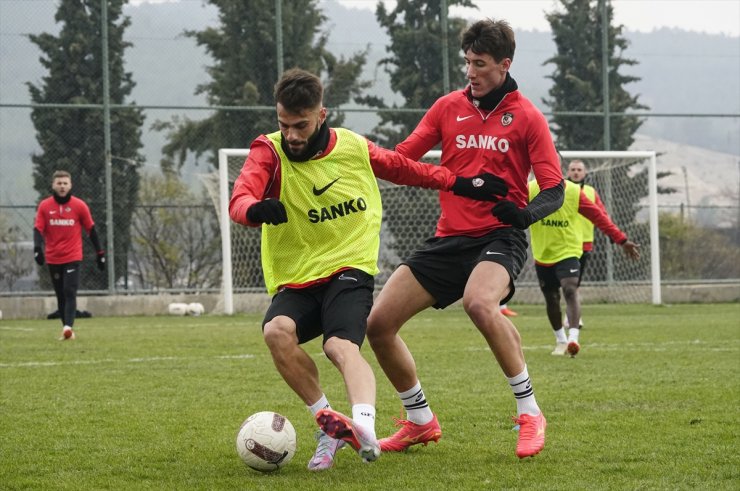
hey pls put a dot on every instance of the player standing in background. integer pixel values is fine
(57, 240)
(477, 252)
(577, 173)
(313, 190)
(556, 247)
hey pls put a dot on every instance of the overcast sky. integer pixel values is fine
(712, 16)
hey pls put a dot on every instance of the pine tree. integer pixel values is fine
(73, 139)
(244, 73)
(578, 80)
(415, 62)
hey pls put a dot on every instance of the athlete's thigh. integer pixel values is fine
(488, 283)
(301, 307)
(400, 299)
(346, 305)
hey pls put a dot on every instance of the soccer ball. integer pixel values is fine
(177, 308)
(195, 309)
(266, 441)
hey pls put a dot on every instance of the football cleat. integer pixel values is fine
(67, 333)
(326, 449)
(531, 435)
(411, 434)
(340, 427)
(560, 349)
(508, 312)
(573, 348)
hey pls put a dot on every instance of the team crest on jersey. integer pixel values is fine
(507, 119)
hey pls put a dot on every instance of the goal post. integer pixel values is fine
(626, 181)
(649, 160)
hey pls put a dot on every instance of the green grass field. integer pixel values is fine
(652, 402)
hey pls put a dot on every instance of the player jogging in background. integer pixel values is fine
(313, 190)
(57, 241)
(556, 246)
(478, 250)
(577, 173)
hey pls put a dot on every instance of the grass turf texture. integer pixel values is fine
(651, 402)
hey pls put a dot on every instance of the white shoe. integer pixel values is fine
(326, 449)
(560, 349)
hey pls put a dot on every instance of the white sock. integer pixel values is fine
(364, 415)
(560, 336)
(317, 406)
(524, 394)
(415, 403)
(573, 333)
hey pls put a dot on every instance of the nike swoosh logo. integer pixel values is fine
(70, 271)
(491, 253)
(573, 270)
(342, 277)
(319, 192)
(463, 118)
(52, 212)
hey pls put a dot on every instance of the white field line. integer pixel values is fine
(33, 364)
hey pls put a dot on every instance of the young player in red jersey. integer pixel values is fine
(477, 252)
(57, 240)
(313, 190)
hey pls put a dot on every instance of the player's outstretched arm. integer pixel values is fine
(631, 249)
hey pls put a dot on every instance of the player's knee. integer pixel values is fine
(278, 333)
(480, 310)
(338, 350)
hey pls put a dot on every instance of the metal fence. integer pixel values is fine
(701, 226)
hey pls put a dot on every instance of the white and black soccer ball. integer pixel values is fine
(196, 309)
(266, 441)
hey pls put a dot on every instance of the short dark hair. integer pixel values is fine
(488, 36)
(298, 90)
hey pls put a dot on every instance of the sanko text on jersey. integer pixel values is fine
(336, 211)
(482, 141)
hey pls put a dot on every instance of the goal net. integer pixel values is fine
(626, 182)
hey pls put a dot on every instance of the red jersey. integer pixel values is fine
(61, 226)
(260, 176)
(509, 142)
(598, 216)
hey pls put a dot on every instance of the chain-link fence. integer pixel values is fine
(164, 228)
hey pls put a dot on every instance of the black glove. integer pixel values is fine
(101, 260)
(38, 256)
(270, 211)
(510, 214)
(483, 187)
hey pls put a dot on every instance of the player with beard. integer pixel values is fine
(313, 190)
(57, 240)
(477, 252)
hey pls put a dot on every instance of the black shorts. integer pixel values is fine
(550, 276)
(444, 264)
(338, 308)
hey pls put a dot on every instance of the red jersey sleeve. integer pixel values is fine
(259, 179)
(425, 136)
(542, 153)
(86, 219)
(394, 167)
(590, 210)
